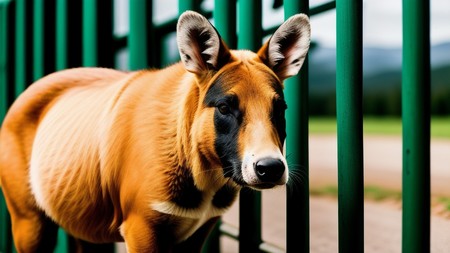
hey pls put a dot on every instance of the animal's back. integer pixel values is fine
(60, 116)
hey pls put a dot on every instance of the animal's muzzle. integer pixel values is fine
(269, 170)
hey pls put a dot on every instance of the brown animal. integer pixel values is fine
(151, 157)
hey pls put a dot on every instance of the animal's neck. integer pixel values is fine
(206, 172)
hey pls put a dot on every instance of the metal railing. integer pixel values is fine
(41, 36)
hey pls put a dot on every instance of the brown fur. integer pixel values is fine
(104, 147)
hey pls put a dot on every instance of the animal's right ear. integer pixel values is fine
(201, 48)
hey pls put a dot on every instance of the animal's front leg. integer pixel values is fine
(142, 236)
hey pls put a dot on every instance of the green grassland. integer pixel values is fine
(440, 126)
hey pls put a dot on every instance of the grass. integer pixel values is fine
(370, 192)
(440, 126)
(445, 201)
(378, 194)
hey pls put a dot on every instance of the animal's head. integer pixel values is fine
(240, 121)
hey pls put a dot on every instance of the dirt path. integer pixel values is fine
(382, 162)
(382, 226)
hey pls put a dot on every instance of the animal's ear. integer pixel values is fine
(201, 48)
(286, 50)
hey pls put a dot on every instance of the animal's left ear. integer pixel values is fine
(201, 48)
(286, 50)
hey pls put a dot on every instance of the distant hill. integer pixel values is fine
(381, 79)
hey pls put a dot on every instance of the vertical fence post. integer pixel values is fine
(224, 14)
(38, 39)
(90, 33)
(5, 222)
(6, 240)
(20, 40)
(4, 53)
(296, 90)
(68, 44)
(184, 5)
(43, 42)
(349, 125)
(97, 33)
(416, 126)
(137, 38)
(250, 36)
(61, 34)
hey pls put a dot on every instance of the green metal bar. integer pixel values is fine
(154, 40)
(38, 39)
(90, 33)
(296, 91)
(137, 39)
(20, 38)
(62, 245)
(322, 8)
(250, 36)
(98, 43)
(6, 240)
(3, 66)
(250, 31)
(416, 126)
(313, 11)
(224, 14)
(49, 36)
(43, 42)
(68, 44)
(349, 125)
(184, 5)
(61, 34)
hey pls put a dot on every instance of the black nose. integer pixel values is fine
(269, 170)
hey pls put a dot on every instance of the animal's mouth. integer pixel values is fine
(256, 186)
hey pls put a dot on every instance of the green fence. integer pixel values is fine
(41, 36)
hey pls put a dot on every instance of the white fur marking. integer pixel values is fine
(257, 149)
(35, 184)
(194, 218)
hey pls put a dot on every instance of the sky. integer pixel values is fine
(382, 20)
(382, 23)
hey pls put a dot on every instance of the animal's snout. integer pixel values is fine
(269, 170)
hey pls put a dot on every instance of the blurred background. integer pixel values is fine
(382, 38)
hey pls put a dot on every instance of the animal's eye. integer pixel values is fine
(224, 108)
(280, 107)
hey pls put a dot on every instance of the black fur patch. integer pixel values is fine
(183, 190)
(226, 125)
(224, 197)
(278, 118)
